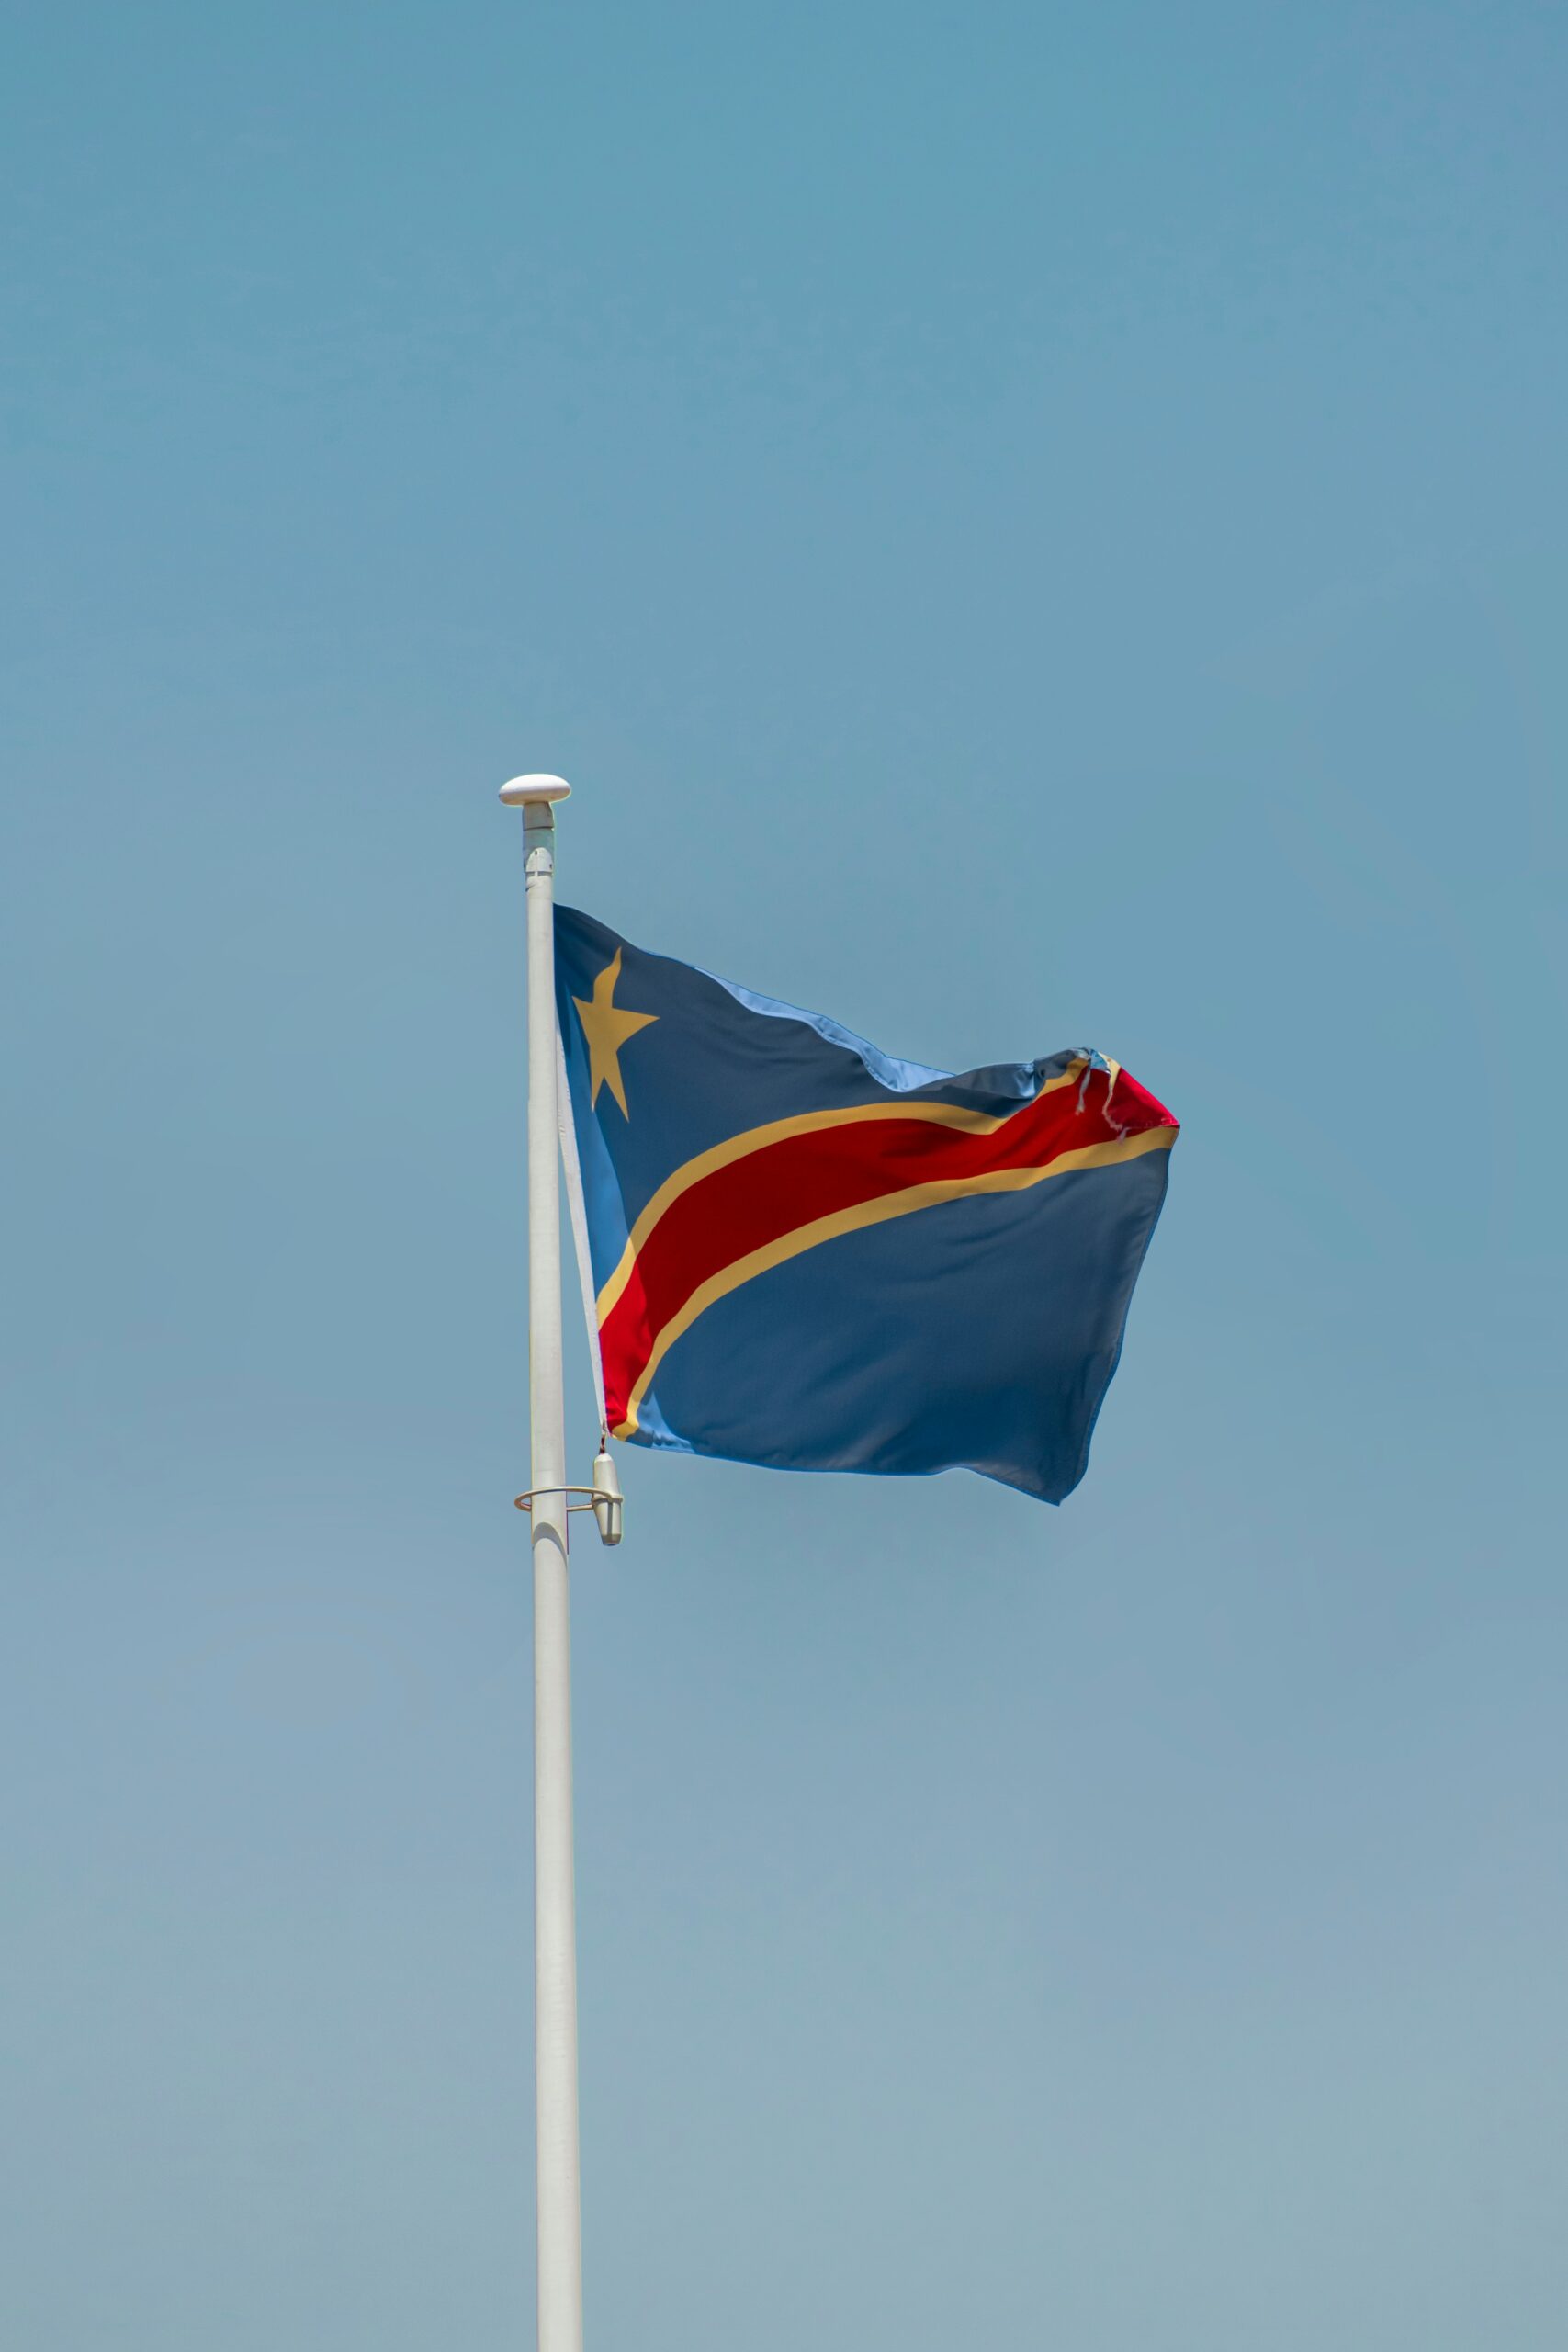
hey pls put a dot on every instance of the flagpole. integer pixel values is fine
(557, 2192)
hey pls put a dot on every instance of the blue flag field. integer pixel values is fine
(811, 1256)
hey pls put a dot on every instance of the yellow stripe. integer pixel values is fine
(877, 1212)
(741, 1146)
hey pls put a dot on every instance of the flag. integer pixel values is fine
(809, 1255)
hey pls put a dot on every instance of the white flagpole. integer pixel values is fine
(558, 2195)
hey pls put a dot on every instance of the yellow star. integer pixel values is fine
(606, 1028)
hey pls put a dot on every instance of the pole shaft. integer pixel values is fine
(558, 2207)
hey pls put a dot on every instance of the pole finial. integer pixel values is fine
(526, 788)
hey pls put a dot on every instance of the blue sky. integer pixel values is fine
(1024, 527)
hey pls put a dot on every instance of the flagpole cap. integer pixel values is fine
(522, 790)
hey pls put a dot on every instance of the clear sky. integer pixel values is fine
(1025, 525)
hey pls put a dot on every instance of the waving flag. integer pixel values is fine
(811, 1256)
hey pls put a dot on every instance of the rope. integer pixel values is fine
(573, 1172)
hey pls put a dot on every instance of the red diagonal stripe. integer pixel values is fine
(778, 1188)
